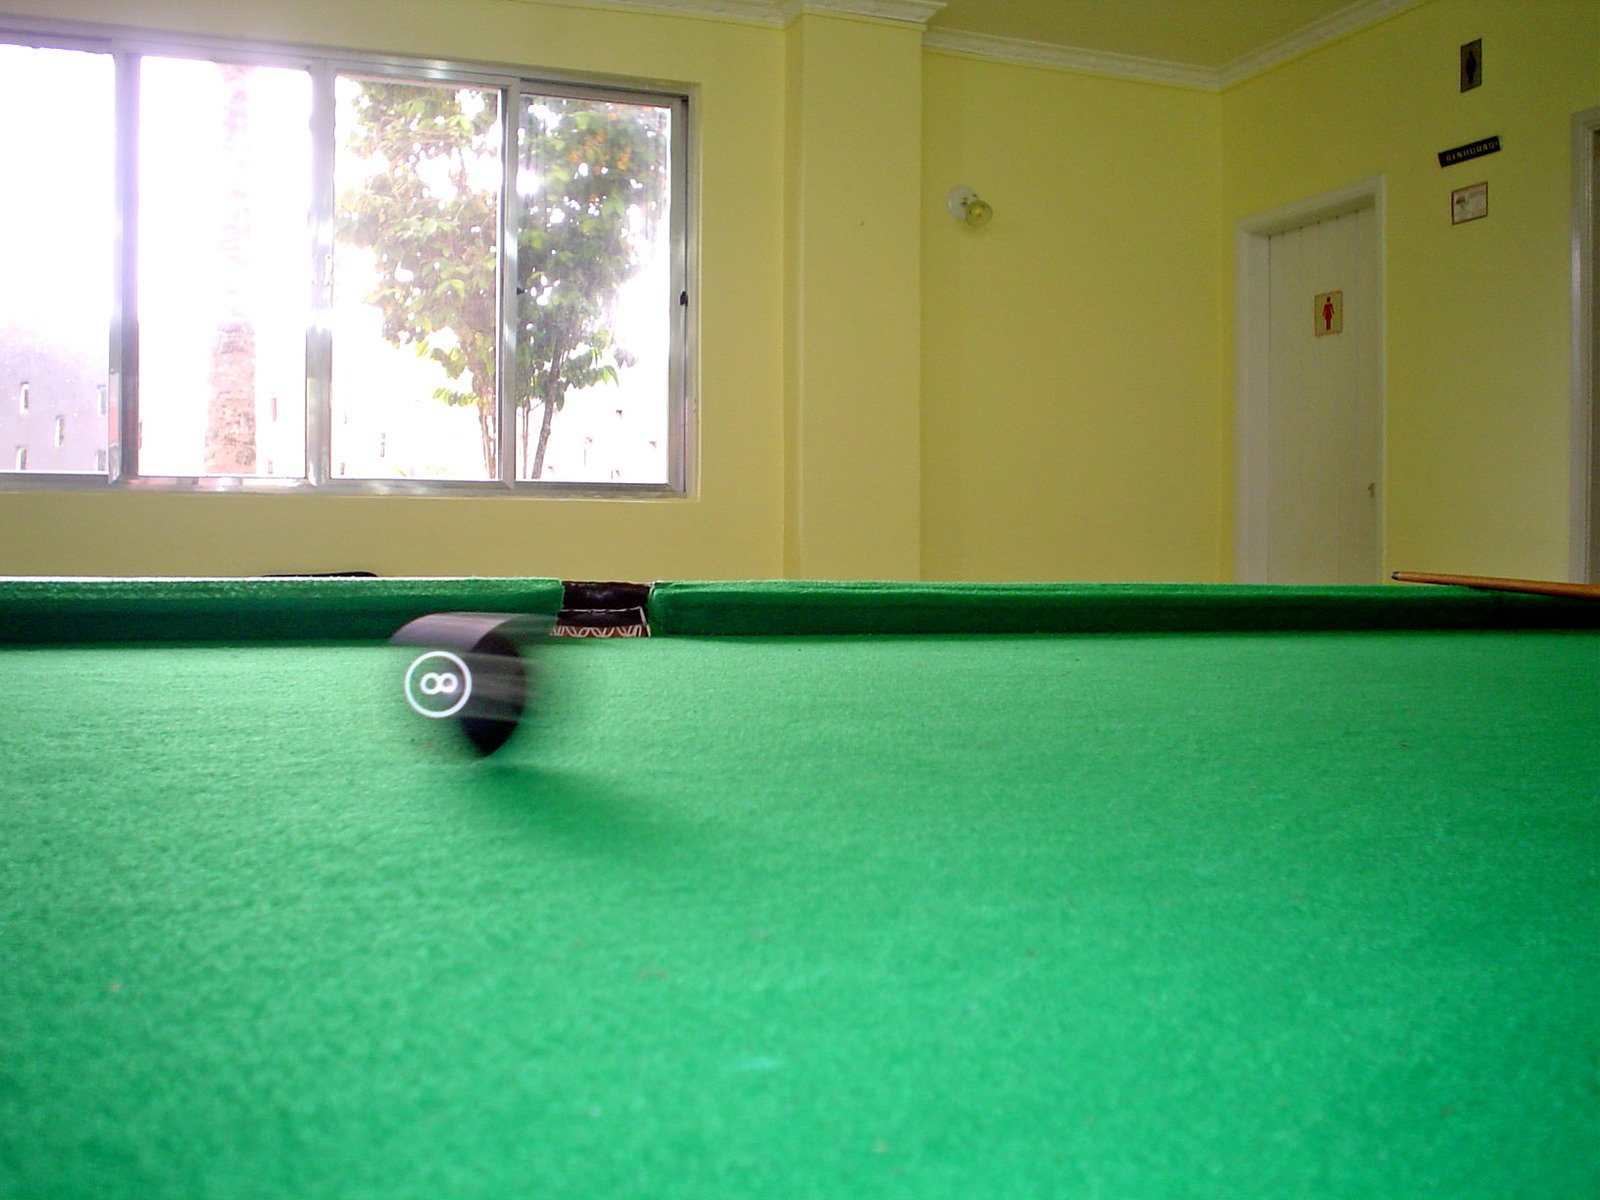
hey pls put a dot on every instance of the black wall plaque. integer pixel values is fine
(1477, 149)
(1472, 65)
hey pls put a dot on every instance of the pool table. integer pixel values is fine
(824, 890)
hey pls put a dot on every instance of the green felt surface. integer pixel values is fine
(775, 607)
(76, 611)
(1240, 915)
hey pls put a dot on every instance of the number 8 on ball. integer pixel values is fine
(470, 668)
(443, 689)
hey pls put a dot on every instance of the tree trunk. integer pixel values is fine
(230, 436)
(491, 464)
(544, 440)
(558, 364)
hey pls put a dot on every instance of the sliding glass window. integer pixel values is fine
(58, 206)
(239, 267)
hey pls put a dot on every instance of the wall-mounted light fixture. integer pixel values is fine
(966, 205)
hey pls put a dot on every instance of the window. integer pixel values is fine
(56, 284)
(224, 263)
(323, 271)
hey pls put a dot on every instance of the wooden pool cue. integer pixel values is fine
(1532, 587)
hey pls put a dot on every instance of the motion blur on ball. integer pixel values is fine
(469, 671)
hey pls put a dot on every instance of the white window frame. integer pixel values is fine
(126, 46)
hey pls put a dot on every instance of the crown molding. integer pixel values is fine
(744, 12)
(1350, 19)
(773, 13)
(1336, 25)
(1070, 58)
(779, 13)
(908, 12)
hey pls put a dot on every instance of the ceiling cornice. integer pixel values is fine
(1350, 19)
(1331, 28)
(909, 12)
(1069, 58)
(779, 13)
(775, 13)
(744, 12)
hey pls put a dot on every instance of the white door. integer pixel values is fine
(1323, 417)
(1586, 346)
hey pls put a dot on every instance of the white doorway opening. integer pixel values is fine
(1585, 340)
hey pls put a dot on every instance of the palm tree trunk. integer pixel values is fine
(230, 437)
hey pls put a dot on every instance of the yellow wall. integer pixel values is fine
(854, 107)
(1478, 319)
(731, 527)
(1071, 370)
(882, 391)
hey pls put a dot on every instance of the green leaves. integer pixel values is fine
(590, 174)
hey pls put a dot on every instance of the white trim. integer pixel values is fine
(744, 12)
(1329, 29)
(1336, 25)
(779, 13)
(1585, 518)
(772, 13)
(1068, 58)
(1252, 356)
(1250, 362)
(910, 12)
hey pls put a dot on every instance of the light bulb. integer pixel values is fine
(964, 204)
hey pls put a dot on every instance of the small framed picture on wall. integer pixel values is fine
(1469, 203)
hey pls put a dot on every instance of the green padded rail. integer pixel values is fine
(77, 611)
(761, 609)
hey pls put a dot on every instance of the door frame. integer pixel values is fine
(1252, 358)
(1585, 541)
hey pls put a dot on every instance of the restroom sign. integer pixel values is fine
(1328, 313)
